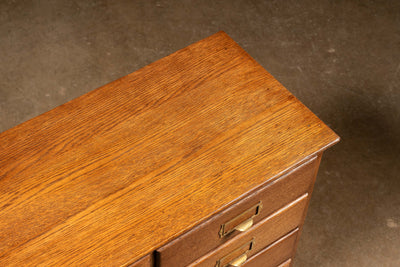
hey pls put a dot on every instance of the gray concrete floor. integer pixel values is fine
(340, 58)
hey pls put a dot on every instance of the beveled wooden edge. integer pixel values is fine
(287, 263)
(146, 261)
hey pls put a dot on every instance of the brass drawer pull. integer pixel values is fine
(244, 226)
(237, 257)
(239, 261)
(242, 222)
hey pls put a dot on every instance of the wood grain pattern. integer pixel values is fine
(110, 176)
(278, 193)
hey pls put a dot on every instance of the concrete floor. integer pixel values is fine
(340, 58)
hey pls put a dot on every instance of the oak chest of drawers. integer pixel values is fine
(199, 159)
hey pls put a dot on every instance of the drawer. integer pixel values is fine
(146, 261)
(276, 254)
(262, 234)
(220, 228)
(286, 263)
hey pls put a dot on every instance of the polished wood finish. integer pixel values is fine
(275, 254)
(264, 233)
(276, 194)
(109, 177)
(147, 261)
(286, 263)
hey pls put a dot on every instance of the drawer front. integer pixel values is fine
(221, 227)
(286, 263)
(260, 236)
(146, 261)
(276, 254)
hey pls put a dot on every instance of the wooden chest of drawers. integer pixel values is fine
(199, 159)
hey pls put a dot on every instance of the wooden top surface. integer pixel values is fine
(114, 174)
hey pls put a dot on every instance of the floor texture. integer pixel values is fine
(340, 58)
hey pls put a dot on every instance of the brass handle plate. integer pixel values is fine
(237, 257)
(241, 222)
